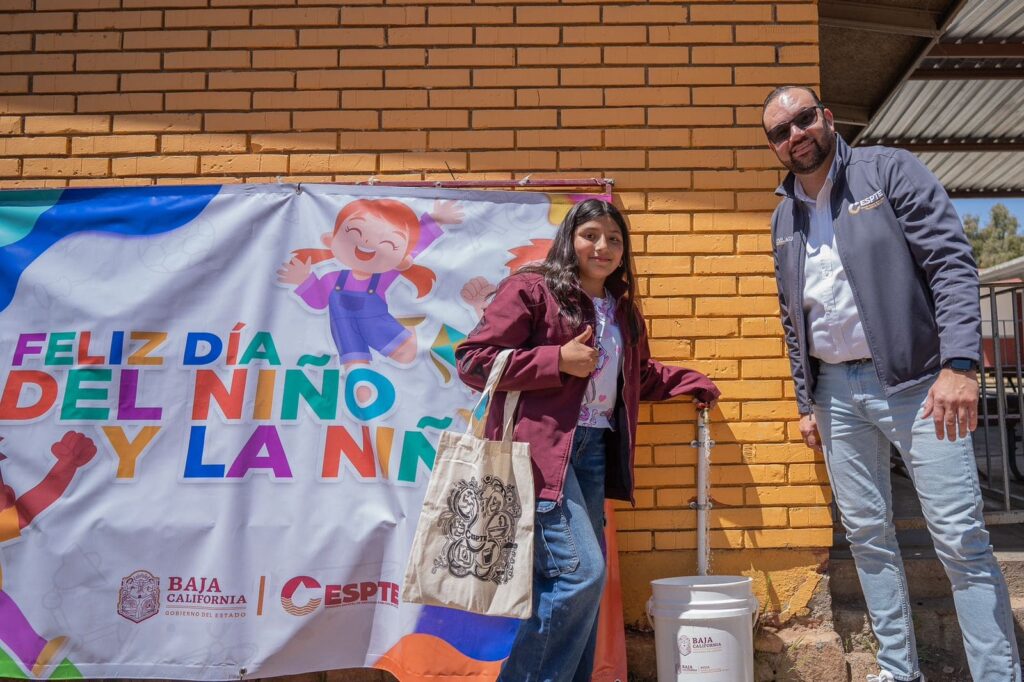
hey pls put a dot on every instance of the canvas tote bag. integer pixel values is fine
(473, 548)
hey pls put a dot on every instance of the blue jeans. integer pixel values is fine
(857, 423)
(559, 640)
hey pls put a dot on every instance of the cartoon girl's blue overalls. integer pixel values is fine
(360, 321)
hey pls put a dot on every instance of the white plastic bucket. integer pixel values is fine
(703, 628)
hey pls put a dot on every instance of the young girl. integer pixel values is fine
(375, 241)
(583, 365)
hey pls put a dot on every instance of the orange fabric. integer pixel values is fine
(426, 658)
(610, 660)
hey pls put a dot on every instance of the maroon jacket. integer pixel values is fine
(525, 316)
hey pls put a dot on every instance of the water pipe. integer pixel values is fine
(703, 503)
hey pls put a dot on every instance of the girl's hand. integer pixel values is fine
(702, 405)
(295, 271)
(705, 400)
(447, 212)
(576, 357)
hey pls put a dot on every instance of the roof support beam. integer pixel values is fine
(850, 114)
(868, 16)
(986, 193)
(955, 145)
(967, 74)
(947, 18)
(981, 50)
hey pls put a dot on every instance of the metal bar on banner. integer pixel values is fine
(703, 504)
(606, 183)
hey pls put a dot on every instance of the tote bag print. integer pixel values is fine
(479, 528)
(473, 548)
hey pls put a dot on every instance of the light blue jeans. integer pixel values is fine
(558, 641)
(857, 423)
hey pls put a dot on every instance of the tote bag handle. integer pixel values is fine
(478, 420)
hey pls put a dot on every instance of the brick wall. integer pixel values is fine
(662, 96)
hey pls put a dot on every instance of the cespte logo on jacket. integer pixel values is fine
(873, 201)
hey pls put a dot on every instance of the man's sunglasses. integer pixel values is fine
(804, 120)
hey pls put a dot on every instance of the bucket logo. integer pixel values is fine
(296, 600)
(479, 529)
(139, 596)
(873, 201)
(684, 645)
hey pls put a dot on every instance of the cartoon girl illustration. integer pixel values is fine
(375, 241)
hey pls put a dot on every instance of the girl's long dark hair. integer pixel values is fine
(561, 268)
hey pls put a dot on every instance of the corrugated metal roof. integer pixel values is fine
(988, 20)
(1011, 269)
(924, 110)
(977, 171)
(956, 109)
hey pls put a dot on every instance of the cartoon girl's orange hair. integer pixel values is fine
(396, 214)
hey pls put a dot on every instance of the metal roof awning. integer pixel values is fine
(1010, 271)
(941, 78)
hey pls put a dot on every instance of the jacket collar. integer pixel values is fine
(616, 286)
(787, 188)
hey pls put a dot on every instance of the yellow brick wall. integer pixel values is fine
(662, 96)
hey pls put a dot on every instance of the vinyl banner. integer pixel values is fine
(218, 417)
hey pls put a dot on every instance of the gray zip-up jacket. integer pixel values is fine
(907, 259)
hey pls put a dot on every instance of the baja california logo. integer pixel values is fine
(139, 596)
(684, 645)
(479, 529)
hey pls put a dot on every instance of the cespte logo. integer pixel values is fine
(302, 595)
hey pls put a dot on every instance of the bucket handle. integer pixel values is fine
(753, 616)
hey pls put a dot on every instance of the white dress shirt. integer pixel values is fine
(834, 331)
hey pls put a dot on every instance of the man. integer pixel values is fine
(879, 301)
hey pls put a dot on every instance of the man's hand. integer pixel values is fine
(952, 403)
(576, 357)
(809, 430)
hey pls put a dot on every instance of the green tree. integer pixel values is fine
(998, 241)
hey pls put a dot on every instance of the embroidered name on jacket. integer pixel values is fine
(873, 201)
(479, 528)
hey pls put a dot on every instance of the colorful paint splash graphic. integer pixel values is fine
(32, 221)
